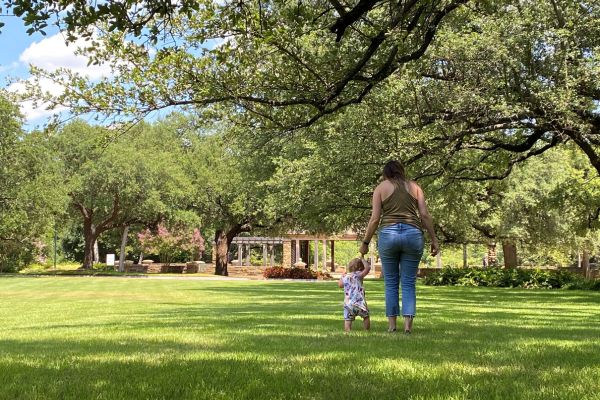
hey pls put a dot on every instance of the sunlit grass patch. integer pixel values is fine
(76, 338)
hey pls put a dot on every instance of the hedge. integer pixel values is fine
(294, 273)
(500, 277)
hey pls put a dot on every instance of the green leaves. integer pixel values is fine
(31, 195)
(137, 169)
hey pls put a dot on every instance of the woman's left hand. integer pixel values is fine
(364, 249)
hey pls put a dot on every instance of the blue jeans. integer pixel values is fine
(400, 249)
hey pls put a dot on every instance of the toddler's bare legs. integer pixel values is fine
(347, 325)
(367, 323)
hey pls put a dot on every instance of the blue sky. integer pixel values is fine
(18, 50)
(13, 41)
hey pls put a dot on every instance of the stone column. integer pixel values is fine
(377, 270)
(272, 255)
(214, 254)
(585, 263)
(247, 255)
(316, 252)
(239, 249)
(324, 255)
(332, 255)
(492, 258)
(265, 256)
(297, 251)
(286, 262)
(438, 260)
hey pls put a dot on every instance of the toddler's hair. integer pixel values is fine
(356, 264)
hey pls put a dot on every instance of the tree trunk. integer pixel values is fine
(89, 238)
(122, 252)
(96, 251)
(223, 242)
(509, 249)
(465, 256)
(222, 249)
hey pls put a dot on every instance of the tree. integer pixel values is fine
(326, 176)
(502, 82)
(510, 81)
(289, 62)
(169, 243)
(118, 181)
(230, 192)
(547, 205)
(30, 196)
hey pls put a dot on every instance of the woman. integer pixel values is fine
(400, 205)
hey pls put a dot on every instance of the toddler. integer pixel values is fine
(354, 299)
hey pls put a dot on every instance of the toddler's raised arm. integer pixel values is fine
(367, 269)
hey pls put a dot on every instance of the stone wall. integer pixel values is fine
(287, 254)
(158, 268)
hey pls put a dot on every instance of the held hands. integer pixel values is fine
(364, 249)
(435, 247)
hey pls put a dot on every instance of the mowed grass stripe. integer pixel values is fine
(112, 338)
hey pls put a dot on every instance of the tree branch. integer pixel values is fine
(585, 145)
(106, 224)
(348, 18)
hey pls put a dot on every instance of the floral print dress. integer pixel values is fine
(354, 300)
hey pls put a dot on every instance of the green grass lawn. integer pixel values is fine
(115, 338)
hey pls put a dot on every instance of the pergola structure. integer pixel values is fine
(268, 248)
(299, 249)
(296, 249)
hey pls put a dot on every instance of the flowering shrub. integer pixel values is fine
(323, 275)
(171, 243)
(294, 273)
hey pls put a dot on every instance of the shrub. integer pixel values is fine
(499, 277)
(176, 242)
(294, 273)
(584, 284)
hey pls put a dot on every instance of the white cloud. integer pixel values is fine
(29, 109)
(50, 54)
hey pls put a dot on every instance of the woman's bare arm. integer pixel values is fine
(373, 221)
(426, 219)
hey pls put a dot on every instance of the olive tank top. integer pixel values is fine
(400, 207)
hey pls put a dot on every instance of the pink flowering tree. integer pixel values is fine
(169, 243)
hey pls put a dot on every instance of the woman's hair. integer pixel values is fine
(394, 169)
(356, 264)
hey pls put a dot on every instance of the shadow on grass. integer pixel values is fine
(284, 341)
